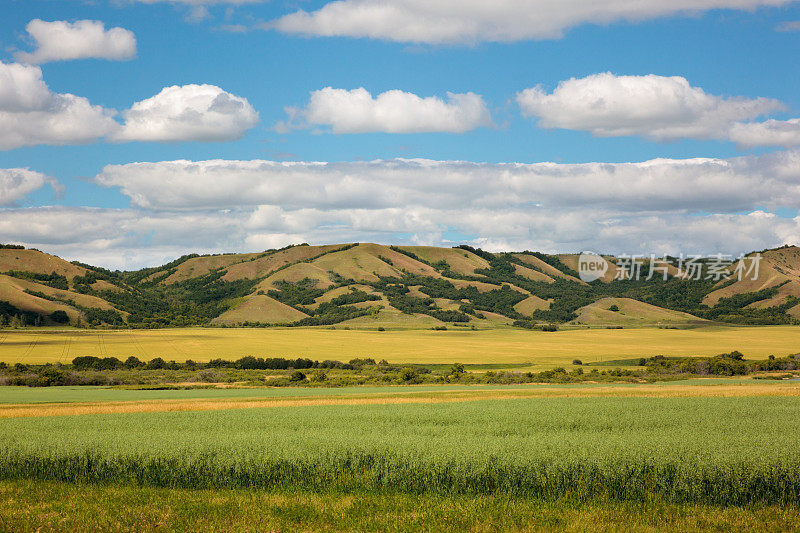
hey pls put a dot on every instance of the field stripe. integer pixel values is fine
(640, 391)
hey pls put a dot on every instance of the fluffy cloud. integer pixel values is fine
(119, 238)
(657, 107)
(31, 114)
(188, 113)
(130, 238)
(768, 133)
(660, 206)
(692, 185)
(470, 21)
(17, 183)
(394, 111)
(544, 206)
(60, 41)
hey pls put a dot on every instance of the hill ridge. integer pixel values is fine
(365, 284)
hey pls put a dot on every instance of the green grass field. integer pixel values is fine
(53, 506)
(676, 456)
(502, 345)
(37, 395)
(83, 394)
(721, 451)
(672, 456)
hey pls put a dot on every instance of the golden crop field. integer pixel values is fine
(212, 400)
(512, 346)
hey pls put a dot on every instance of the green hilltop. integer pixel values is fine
(364, 284)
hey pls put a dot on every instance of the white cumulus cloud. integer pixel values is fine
(17, 183)
(131, 238)
(31, 114)
(188, 113)
(687, 206)
(771, 132)
(357, 111)
(60, 41)
(660, 185)
(471, 21)
(657, 107)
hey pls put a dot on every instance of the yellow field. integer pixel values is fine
(539, 349)
(408, 395)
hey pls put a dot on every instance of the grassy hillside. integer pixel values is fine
(778, 280)
(629, 312)
(41, 289)
(364, 284)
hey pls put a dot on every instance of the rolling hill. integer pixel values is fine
(629, 312)
(365, 284)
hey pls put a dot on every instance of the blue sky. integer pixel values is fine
(725, 53)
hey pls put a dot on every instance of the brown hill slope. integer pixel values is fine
(37, 262)
(777, 268)
(37, 283)
(260, 308)
(537, 264)
(460, 261)
(628, 312)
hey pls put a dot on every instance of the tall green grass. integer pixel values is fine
(729, 484)
(728, 451)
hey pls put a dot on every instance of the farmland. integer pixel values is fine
(716, 450)
(667, 455)
(53, 506)
(498, 345)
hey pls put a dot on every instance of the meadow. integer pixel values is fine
(694, 449)
(738, 386)
(540, 350)
(55, 506)
(674, 455)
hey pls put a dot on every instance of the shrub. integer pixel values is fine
(363, 361)
(50, 375)
(156, 364)
(577, 362)
(132, 362)
(297, 376)
(208, 375)
(408, 374)
(614, 308)
(59, 317)
(89, 362)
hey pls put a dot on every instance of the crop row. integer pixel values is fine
(732, 484)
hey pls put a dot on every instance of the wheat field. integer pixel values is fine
(502, 345)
